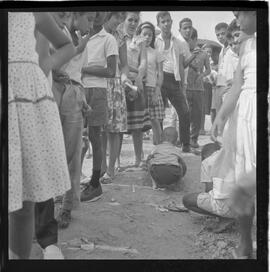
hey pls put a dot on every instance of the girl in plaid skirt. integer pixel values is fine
(154, 80)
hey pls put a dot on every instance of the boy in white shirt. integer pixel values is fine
(102, 52)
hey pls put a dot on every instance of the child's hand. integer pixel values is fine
(82, 41)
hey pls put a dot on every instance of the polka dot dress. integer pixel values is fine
(37, 159)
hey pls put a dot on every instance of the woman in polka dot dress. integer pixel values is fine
(37, 161)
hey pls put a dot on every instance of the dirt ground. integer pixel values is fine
(130, 222)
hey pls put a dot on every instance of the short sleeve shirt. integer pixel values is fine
(99, 47)
(153, 59)
(193, 83)
(166, 153)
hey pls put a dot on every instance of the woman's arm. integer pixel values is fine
(229, 103)
(46, 25)
(142, 67)
(99, 71)
(123, 63)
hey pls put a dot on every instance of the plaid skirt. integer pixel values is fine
(137, 113)
(155, 111)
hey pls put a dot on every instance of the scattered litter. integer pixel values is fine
(119, 249)
(113, 200)
(176, 207)
(161, 209)
(75, 243)
(73, 248)
(88, 247)
(114, 203)
(221, 244)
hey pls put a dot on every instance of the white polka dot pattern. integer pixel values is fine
(37, 159)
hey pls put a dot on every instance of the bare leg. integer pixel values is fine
(104, 139)
(119, 150)
(114, 143)
(156, 131)
(137, 136)
(21, 230)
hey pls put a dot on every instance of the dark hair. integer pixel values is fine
(194, 34)
(162, 14)
(233, 26)
(147, 25)
(220, 26)
(185, 20)
(111, 14)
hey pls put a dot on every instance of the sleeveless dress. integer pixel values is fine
(37, 160)
(238, 155)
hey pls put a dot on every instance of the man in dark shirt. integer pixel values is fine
(195, 91)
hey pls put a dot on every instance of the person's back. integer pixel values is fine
(166, 166)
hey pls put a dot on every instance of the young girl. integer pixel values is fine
(154, 79)
(241, 105)
(237, 157)
(117, 108)
(37, 160)
(138, 119)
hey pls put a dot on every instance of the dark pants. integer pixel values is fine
(165, 175)
(171, 90)
(195, 101)
(45, 223)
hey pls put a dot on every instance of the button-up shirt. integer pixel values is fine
(176, 49)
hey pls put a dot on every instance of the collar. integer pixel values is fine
(101, 33)
(172, 37)
(121, 29)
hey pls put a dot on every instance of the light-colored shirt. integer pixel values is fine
(231, 60)
(154, 58)
(74, 66)
(221, 79)
(186, 51)
(176, 50)
(165, 153)
(99, 47)
(168, 61)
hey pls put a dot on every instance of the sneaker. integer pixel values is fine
(186, 148)
(64, 219)
(52, 252)
(90, 194)
(194, 144)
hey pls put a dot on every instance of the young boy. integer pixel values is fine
(70, 95)
(195, 88)
(165, 164)
(102, 51)
(221, 31)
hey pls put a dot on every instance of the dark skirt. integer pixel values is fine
(137, 113)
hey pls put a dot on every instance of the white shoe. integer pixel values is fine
(52, 252)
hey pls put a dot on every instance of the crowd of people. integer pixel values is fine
(76, 77)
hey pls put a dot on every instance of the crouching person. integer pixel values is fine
(165, 164)
(216, 200)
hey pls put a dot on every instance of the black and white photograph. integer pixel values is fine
(132, 133)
